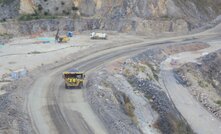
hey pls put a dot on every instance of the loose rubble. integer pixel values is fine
(108, 103)
(138, 76)
(13, 117)
(203, 81)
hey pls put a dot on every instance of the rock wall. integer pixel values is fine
(141, 16)
(8, 9)
(17, 28)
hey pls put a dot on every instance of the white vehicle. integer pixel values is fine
(95, 35)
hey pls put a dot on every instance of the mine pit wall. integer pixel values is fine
(9, 9)
(20, 28)
(140, 16)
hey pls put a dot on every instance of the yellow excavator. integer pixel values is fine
(61, 39)
(73, 78)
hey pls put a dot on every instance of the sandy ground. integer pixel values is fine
(30, 53)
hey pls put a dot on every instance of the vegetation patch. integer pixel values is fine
(6, 35)
(218, 102)
(202, 84)
(3, 2)
(154, 71)
(35, 52)
(36, 16)
(126, 105)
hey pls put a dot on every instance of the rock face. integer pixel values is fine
(142, 16)
(8, 9)
(26, 7)
(39, 26)
(204, 81)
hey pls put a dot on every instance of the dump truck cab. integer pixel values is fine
(73, 78)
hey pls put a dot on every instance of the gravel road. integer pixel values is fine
(197, 116)
(50, 105)
(55, 110)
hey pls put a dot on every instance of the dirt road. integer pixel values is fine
(201, 121)
(56, 110)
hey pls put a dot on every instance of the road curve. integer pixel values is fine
(201, 121)
(55, 110)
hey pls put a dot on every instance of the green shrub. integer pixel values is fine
(28, 17)
(218, 102)
(6, 35)
(2, 2)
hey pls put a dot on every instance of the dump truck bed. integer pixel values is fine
(73, 78)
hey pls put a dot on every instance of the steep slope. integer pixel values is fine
(8, 9)
(142, 16)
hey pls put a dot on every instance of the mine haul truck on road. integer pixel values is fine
(73, 78)
(95, 35)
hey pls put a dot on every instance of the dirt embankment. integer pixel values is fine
(112, 106)
(204, 80)
(112, 94)
(154, 57)
(13, 117)
(143, 74)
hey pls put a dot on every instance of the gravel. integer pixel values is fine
(170, 120)
(203, 81)
(108, 103)
(160, 102)
(13, 117)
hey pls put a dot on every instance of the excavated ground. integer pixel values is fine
(13, 110)
(122, 91)
(203, 80)
(125, 104)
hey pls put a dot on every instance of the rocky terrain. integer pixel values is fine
(203, 80)
(121, 89)
(140, 16)
(146, 78)
(9, 9)
(13, 117)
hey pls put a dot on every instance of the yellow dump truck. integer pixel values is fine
(73, 78)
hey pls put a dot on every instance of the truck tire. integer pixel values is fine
(81, 86)
(66, 86)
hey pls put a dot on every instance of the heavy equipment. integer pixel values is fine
(61, 39)
(73, 78)
(95, 35)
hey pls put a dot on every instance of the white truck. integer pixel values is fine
(95, 35)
